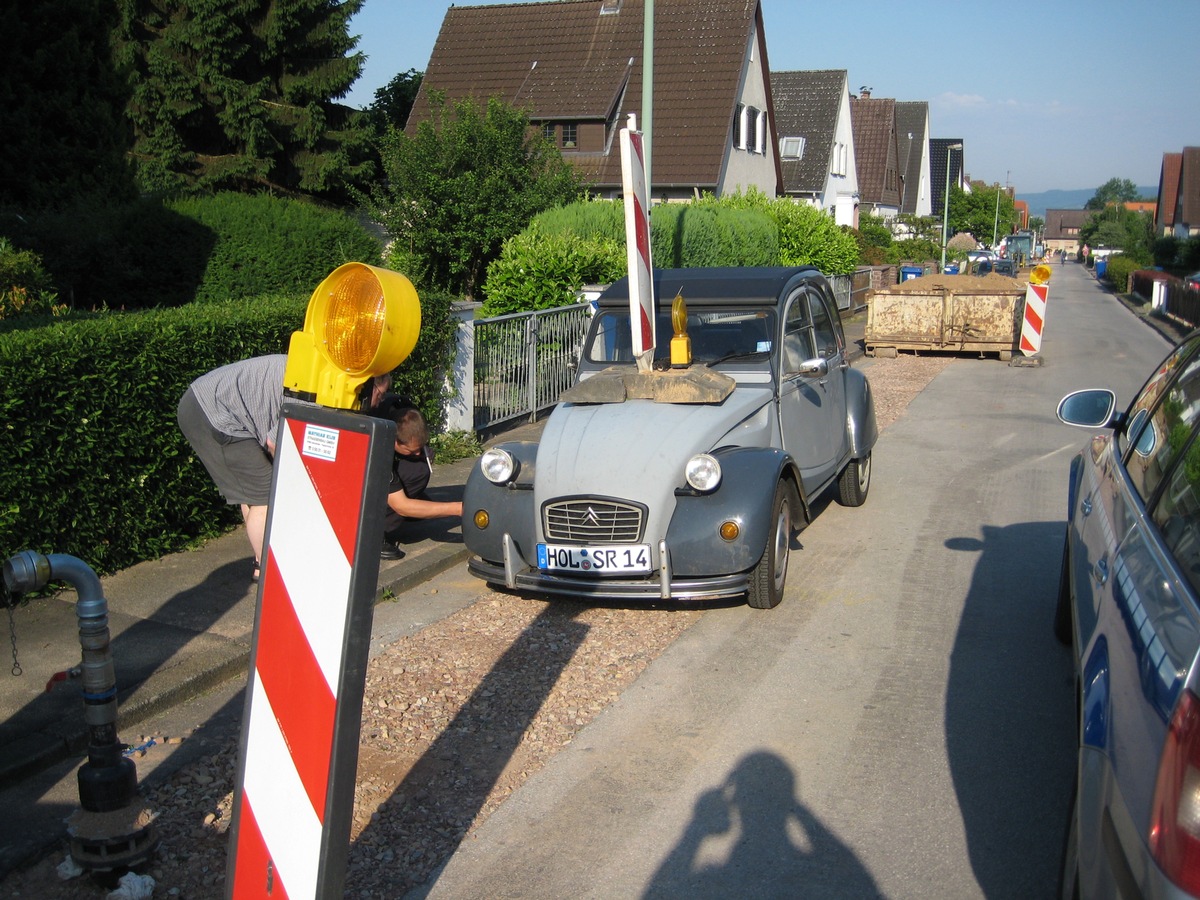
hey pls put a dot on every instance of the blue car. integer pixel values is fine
(1128, 607)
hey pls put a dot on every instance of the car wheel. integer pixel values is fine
(1062, 609)
(768, 577)
(855, 481)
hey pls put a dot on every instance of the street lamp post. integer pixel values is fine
(946, 202)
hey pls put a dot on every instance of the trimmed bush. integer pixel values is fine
(1118, 270)
(541, 271)
(91, 457)
(267, 244)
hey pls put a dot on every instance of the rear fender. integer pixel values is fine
(860, 414)
(747, 489)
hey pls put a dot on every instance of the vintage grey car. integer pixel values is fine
(682, 483)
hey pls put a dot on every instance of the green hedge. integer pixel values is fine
(228, 246)
(1118, 269)
(91, 457)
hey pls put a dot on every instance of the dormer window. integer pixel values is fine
(791, 148)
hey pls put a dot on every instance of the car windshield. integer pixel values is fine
(719, 336)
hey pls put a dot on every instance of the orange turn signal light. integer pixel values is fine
(730, 530)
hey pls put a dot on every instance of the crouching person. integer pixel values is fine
(411, 467)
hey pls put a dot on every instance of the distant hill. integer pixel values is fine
(1039, 203)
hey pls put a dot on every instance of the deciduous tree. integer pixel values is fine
(1115, 190)
(462, 183)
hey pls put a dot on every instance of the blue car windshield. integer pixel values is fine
(718, 336)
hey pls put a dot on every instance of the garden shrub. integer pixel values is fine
(25, 287)
(1118, 270)
(91, 457)
(541, 271)
(265, 244)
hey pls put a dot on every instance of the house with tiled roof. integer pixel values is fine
(876, 154)
(946, 168)
(1061, 231)
(1168, 194)
(576, 67)
(912, 143)
(816, 141)
(1179, 194)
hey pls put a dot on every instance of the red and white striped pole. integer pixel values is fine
(1034, 316)
(295, 797)
(637, 244)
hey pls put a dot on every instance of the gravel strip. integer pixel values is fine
(455, 719)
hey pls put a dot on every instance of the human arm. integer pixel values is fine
(418, 508)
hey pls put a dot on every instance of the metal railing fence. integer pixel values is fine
(523, 361)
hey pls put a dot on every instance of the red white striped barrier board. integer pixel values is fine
(637, 243)
(295, 794)
(1035, 318)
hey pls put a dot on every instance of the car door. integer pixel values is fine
(1136, 572)
(812, 405)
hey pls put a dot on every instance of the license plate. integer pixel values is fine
(604, 559)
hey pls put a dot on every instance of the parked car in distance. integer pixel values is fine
(686, 482)
(1192, 281)
(1128, 607)
(1005, 267)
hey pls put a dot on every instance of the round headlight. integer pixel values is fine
(703, 472)
(497, 465)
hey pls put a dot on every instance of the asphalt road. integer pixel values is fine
(901, 725)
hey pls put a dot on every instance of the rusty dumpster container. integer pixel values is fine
(952, 313)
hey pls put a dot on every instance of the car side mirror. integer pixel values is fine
(814, 368)
(1093, 408)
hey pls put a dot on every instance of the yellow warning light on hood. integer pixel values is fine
(361, 321)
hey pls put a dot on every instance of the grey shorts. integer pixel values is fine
(240, 467)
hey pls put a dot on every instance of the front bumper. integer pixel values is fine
(515, 574)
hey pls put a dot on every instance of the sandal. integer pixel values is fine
(254, 578)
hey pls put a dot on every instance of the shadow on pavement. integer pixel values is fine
(751, 837)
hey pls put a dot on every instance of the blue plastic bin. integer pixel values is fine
(909, 272)
(951, 269)
(1101, 266)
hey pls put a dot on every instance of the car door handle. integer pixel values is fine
(1100, 571)
(1086, 506)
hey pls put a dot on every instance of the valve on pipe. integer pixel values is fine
(113, 829)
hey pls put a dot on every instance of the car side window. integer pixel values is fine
(797, 335)
(1147, 399)
(823, 330)
(1159, 433)
(1177, 513)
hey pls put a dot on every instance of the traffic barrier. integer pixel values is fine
(1034, 318)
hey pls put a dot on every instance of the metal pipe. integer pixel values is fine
(107, 781)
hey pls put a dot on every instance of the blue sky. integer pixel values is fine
(1050, 94)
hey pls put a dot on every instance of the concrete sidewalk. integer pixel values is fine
(182, 625)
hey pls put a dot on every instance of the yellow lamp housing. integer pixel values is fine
(681, 343)
(1041, 274)
(361, 321)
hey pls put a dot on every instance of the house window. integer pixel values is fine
(548, 131)
(739, 127)
(791, 147)
(570, 132)
(760, 133)
(749, 129)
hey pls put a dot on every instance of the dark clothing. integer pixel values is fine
(411, 475)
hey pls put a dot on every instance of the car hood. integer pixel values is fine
(636, 450)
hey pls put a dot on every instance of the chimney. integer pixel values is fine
(864, 93)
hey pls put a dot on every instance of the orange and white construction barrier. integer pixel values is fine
(295, 794)
(1035, 310)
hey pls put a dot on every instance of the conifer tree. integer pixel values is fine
(240, 94)
(61, 106)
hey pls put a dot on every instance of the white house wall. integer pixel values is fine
(748, 168)
(840, 196)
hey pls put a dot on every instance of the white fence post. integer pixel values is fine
(460, 407)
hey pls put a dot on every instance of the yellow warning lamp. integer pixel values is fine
(1041, 274)
(681, 344)
(361, 321)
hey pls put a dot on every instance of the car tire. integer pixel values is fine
(768, 578)
(855, 481)
(1062, 609)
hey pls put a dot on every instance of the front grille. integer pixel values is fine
(589, 520)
